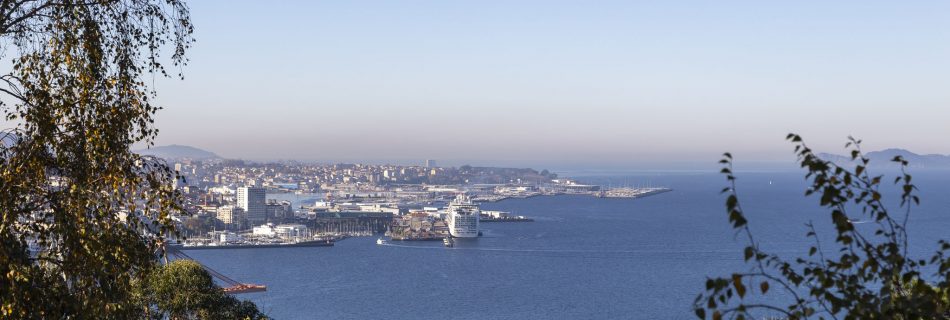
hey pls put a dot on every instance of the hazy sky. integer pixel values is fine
(570, 83)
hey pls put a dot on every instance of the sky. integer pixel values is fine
(581, 84)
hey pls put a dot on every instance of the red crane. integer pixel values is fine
(233, 287)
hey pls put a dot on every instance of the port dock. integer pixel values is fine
(315, 243)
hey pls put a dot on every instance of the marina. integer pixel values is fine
(631, 193)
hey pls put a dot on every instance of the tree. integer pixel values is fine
(82, 215)
(183, 289)
(861, 275)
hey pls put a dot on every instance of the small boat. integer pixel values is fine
(448, 242)
(380, 241)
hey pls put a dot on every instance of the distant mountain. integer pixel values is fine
(178, 152)
(884, 157)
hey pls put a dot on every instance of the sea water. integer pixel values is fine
(582, 257)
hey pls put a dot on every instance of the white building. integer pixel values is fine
(292, 232)
(226, 237)
(266, 230)
(221, 190)
(496, 214)
(252, 201)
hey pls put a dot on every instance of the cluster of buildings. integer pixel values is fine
(231, 197)
(227, 175)
(248, 208)
(233, 192)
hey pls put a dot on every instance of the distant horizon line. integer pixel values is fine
(563, 165)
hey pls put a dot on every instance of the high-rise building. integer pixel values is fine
(278, 211)
(252, 201)
(229, 214)
(430, 163)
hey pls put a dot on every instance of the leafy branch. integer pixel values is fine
(867, 275)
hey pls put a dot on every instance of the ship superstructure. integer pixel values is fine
(463, 217)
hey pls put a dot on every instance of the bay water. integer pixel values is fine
(582, 257)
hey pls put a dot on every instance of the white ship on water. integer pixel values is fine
(463, 217)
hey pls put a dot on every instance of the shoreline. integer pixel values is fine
(315, 243)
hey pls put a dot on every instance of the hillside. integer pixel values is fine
(178, 152)
(884, 157)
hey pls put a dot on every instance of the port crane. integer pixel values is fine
(233, 286)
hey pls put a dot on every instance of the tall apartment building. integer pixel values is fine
(252, 201)
(229, 214)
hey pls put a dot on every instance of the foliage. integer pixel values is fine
(863, 276)
(200, 225)
(82, 216)
(183, 289)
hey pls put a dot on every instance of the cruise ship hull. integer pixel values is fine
(463, 216)
(465, 235)
(463, 226)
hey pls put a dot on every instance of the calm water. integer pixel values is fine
(582, 258)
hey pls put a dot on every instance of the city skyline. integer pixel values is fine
(616, 85)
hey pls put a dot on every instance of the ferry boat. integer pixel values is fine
(463, 217)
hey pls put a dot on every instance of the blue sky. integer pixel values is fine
(559, 83)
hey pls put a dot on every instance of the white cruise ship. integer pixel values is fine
(463, 217)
